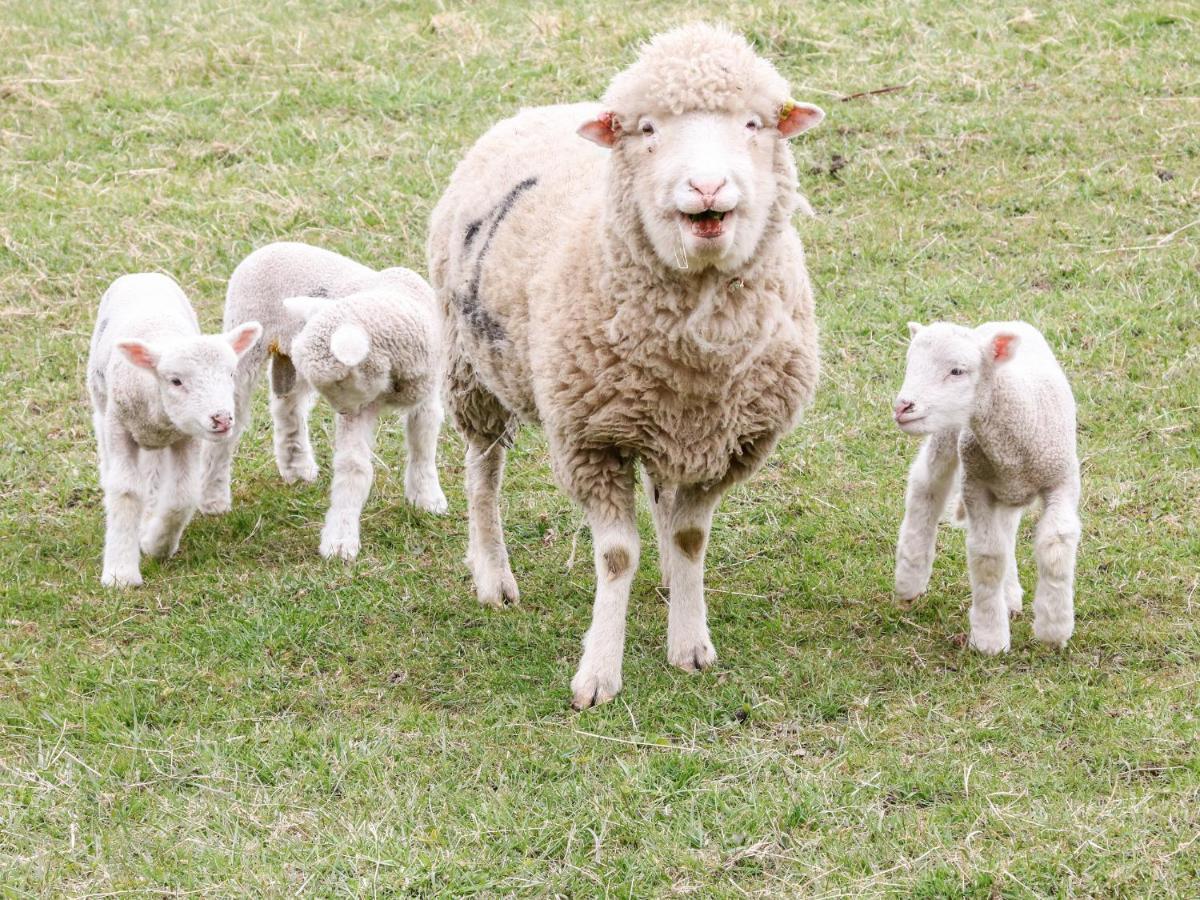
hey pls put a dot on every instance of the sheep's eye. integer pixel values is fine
(647, 129)
(178, 382)
(754, 124)
(957, 371)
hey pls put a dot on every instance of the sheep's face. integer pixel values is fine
(195, 377)
(335, 356)
(704, 181)
(946, 364)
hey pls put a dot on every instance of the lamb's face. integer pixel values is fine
(195, 378)
(945, 365)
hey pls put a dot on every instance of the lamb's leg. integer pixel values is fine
(1055, 545)
(122, 507)
(177, 496)
(354, 436)
(421, 485)
(991, 543)
(292, 399)
(1012, 587)
(487, 556)
(930, 481)
(688, 644)
(216, 495)
(662, 501)
(610, 507)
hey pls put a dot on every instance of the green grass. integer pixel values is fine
(256, 721)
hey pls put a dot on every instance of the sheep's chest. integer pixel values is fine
(1001, 467)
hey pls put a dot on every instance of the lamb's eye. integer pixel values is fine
(177, 382)
(957, 371)
(647, 128)
(754, 124)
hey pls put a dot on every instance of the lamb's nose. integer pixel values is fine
(221, 421)
(707, 188)
(904, 406)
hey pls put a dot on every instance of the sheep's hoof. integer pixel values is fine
(989, 644)
(497, 592)
(1055, 636)
(432, 501)
(306, 472)
(590, 689)
(215, 506)
(693, 657)
(121, 579)
(344, 547)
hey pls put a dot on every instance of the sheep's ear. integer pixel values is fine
(303, 308)
(244, 337)
(350, 344)
(603, 130)
(914, 328)
(140, 354)
(795, 118)
(1004, 345)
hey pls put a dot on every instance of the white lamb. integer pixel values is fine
(164, 389)
(627, 275)
(996, 400)
(364, 340)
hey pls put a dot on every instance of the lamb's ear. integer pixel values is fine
(1004, 345)
(603, 130)
(244, 337)
(140, 354)
(914, 328)
(350, 344)
(303, 308)
(795, 118)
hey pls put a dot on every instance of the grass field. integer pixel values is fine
(256, 721)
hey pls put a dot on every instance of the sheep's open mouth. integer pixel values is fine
(707, 224)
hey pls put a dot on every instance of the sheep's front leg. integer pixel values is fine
(991, 544)
(354, 437)
(176, 497)
(421, 485)
(1055, 546)
(688, 644)
(930, 481)
(662, 501)
(487, 556)
(610, 510)
(216, 495)
(292, 399)
(122, 486)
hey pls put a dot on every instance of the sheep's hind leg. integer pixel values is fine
(608, 500)
(216, 495)
(487, 555)
(1055, 546)
(353, 473)
(688, 643)
(175, 501)
(662, 501)
(421, 485)
(292, 399)
(991, 543)
(122, 508)
(930, 481)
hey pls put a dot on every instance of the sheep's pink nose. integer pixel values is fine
(707, 188)
(904, 406)
(221, 422)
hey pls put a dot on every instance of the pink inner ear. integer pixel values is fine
(1002, 348)
(797, 117)
(139, 354)
(244, 339)
(603, 130)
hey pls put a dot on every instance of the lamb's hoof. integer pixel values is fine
(989, 644)
(1053, 635)
(907, 589)
(497, 590)
(306, 472)
(1013, 601)
(592, 687)
(121, 579)
(216, 506)
(430, 500)
(339, 546)
(157, 550)
(692, 656)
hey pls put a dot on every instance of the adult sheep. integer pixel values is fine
(643, 296)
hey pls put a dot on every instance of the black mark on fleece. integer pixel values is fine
(467, 298)
(282, 375)
(320, 291)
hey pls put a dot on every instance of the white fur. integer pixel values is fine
(364, 341)
(995, 400)
(158, 387)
